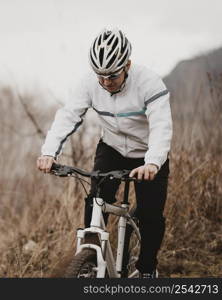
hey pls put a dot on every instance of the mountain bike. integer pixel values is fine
(94, 256)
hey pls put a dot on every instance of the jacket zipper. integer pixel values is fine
(118, 129)
(115, 113)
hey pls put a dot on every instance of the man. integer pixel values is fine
(133, 106)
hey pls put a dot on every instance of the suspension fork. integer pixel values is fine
(122, 230)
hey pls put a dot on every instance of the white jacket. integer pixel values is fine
(136, 122)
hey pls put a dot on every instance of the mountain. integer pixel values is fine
(192, 82)
(196, 96)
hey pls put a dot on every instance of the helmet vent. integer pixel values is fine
(112, 60)
(101, 55)
(93, 61)
(123, 59)
(99, 41)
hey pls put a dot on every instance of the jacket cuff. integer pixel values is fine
(154, 165)
(49, 154)
(153, 161)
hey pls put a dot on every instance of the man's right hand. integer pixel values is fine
(44, 163)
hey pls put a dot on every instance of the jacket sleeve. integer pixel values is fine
(158, 113)
(67, 121)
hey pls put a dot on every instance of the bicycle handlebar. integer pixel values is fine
(65, 171)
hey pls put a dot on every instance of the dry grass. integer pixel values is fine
(47, 210)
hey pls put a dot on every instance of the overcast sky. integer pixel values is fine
(45, 43)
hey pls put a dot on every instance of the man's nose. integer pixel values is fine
(107, 81)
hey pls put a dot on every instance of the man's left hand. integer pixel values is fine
(146, 172)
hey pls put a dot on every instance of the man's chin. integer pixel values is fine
(111, 89)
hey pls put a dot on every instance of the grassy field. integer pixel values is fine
(39, 213)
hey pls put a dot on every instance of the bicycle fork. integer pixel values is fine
(97, 227)
(121, 239)
(104, 253)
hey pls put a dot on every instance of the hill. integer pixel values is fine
(196, 98)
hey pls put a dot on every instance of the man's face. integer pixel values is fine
(113, 82)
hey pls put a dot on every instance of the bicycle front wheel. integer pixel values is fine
(83, 265)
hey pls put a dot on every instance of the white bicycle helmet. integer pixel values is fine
(109, 52)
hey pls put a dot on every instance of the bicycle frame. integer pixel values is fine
(104, 253)
(105, 259)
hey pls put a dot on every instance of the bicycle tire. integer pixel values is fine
(82, 265)
(131, 248)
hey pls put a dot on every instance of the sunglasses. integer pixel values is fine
(111, 76)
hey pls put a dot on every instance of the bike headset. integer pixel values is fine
(109, 53)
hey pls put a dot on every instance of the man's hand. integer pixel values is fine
(44, 163)
(146, 172)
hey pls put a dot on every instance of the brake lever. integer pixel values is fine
(61, 171)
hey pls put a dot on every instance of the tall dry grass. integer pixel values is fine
(39, 213)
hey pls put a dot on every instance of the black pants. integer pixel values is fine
(150, 196)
